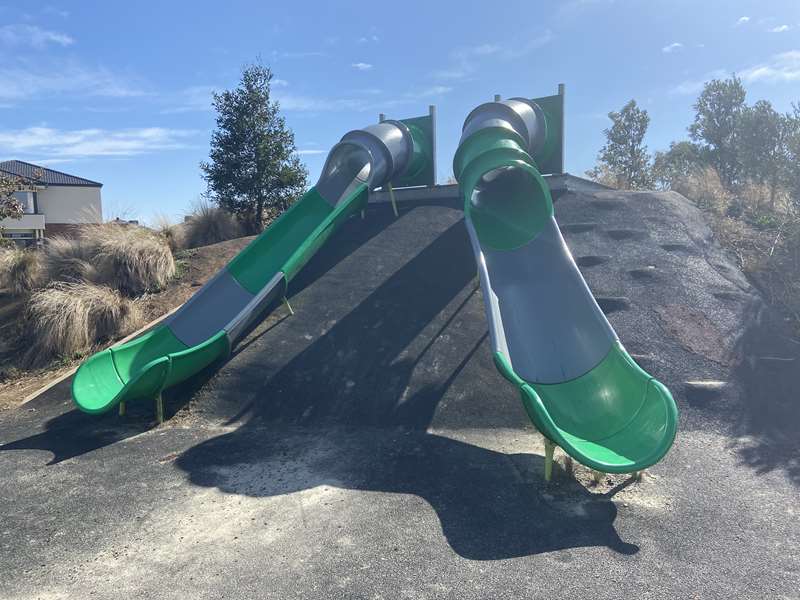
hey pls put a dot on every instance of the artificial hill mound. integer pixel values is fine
(366, 446)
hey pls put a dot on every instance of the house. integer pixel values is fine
(54, 203)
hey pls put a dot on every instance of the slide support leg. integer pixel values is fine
(160, 408)
(289, 306)
(549, 447)
(363, 213)
(122, 408)
(391, 197)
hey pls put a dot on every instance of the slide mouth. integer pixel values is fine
(509, 205)
(348, 165)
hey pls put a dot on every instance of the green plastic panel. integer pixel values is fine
(551, 160)
(421, 170)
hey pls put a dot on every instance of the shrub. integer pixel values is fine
(20, 270)
(209, 224)
(132, 259)
(69, 319)
(704, 187)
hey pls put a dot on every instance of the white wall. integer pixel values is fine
(68, 204)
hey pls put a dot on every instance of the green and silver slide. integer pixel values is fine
(579, 386)
(222, 311)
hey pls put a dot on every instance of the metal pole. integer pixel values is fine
(381, 118)
(497, 97)
(432, 113)
(561, 90)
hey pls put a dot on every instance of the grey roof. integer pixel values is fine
(44, 175)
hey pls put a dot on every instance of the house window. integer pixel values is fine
(27, 201)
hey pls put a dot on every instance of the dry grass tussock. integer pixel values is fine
(705, 188)
(173, 234)
(208, 224)
(67, 319)
(131, 259)
(70, 259)
(20, 270)
(134, 260)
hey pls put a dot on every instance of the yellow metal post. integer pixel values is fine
(289, 306)
(160, 408)
(391, 197)
(549, 447)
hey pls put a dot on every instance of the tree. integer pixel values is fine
(717, 113)
(677, 163)
(624, 154)
(10, 207)
(254, 164)
(762, 146)
(792, 132)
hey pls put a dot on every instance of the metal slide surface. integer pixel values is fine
(213, 320)
(579, 386)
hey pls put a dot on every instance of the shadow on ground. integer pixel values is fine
(768, 375)
(72, 433)
(353, 408)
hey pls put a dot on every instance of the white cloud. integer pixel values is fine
(58, 144)
(436, 90)
(672, 47)
(196, 98)
(304, 103)
(466, 60)
(310, 152)
(695, 86)
(368, 38)
(780, 68)
(361, 66)
(302, 54)
(279, 83)
(54, 10)
(742, 21)
(32, 36)
(33, 79)
(780, 29)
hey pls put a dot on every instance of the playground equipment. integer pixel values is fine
(210, 324)
(579, 386)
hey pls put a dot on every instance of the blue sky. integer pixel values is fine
(120, 92)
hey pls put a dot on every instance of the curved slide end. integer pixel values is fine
(134, 370)
(616, 418)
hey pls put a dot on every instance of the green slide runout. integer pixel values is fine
(213, 320)
(579, 386)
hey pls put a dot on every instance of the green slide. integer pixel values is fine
(222, 311)
(579, 386)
